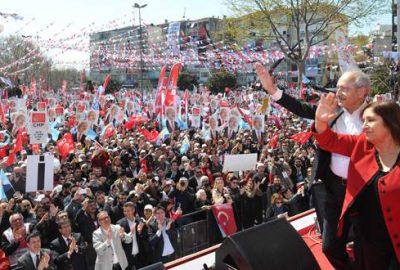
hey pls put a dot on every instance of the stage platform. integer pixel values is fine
(304, 223)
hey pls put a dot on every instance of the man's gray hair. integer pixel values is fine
(360, 78)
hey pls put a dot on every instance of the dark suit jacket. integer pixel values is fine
(254, 136)
(157, 242)
(225, 133)
(142, 241)
(77, 260)
(82, 140)
(25, 261)
(86, 226)
(216, 136)
(308, 111)
(168, 125)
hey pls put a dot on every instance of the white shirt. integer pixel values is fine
(33, 256)
(347, 123)
(168, 248)
(135, 247)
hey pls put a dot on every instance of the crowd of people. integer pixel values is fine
(119, 200)
(131, 179)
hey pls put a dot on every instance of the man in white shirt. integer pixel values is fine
(352, 90)
(162, 237)
(132, 224)
(36, 258)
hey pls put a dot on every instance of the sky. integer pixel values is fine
(52, 19)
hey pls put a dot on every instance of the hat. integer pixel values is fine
(184, 159)
(148, 207)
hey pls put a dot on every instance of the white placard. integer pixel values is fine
(244, 162)
(38, 128)
(40, 173)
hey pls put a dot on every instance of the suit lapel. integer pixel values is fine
(32, 263)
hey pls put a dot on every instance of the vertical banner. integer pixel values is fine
(173, 37)
(345, 55)
(40, 173)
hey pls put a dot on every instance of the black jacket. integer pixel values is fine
(77, 259)
(142, 241)
(308, 111)
(157, 242)
(25, 262)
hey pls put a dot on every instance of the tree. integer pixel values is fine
(383, 81)
(218, 81)
(186, 80)
(307, 22)
(21, 59)
(113, 86)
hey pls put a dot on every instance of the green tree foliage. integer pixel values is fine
(381, 80)
(308, 22)
(31, 63)
(113, 86)
(186, 80)
(218, 81)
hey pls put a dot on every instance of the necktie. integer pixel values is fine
(69, 241)
(37, 260)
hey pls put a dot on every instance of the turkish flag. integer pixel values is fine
(223, 213)
(301, 137)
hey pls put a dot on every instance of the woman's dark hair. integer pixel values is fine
(390, 113)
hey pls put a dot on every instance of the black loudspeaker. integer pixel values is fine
(274, 245)
(156, 266)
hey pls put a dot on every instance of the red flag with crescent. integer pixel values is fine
(223, 213)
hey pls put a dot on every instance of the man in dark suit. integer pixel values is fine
(137, 251)
(81, 130)
(352, 89)
(87, 224)
(170, 122)
(70, 248)
(174, 173)
(36, 258)
(117, 212)
(162, 236)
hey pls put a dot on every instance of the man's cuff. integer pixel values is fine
(278, 95)
(158, 233)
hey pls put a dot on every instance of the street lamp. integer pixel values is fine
(136, 5)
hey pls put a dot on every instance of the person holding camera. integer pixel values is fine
(183, 195)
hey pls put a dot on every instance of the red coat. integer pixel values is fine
(362, 168)
(4, 262)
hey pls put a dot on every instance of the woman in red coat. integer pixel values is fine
(373, 185)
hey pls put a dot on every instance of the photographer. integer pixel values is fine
(184, 196)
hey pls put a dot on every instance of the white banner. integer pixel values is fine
(173, 37)
(234, 163)
(40, 173)
(38, 128)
